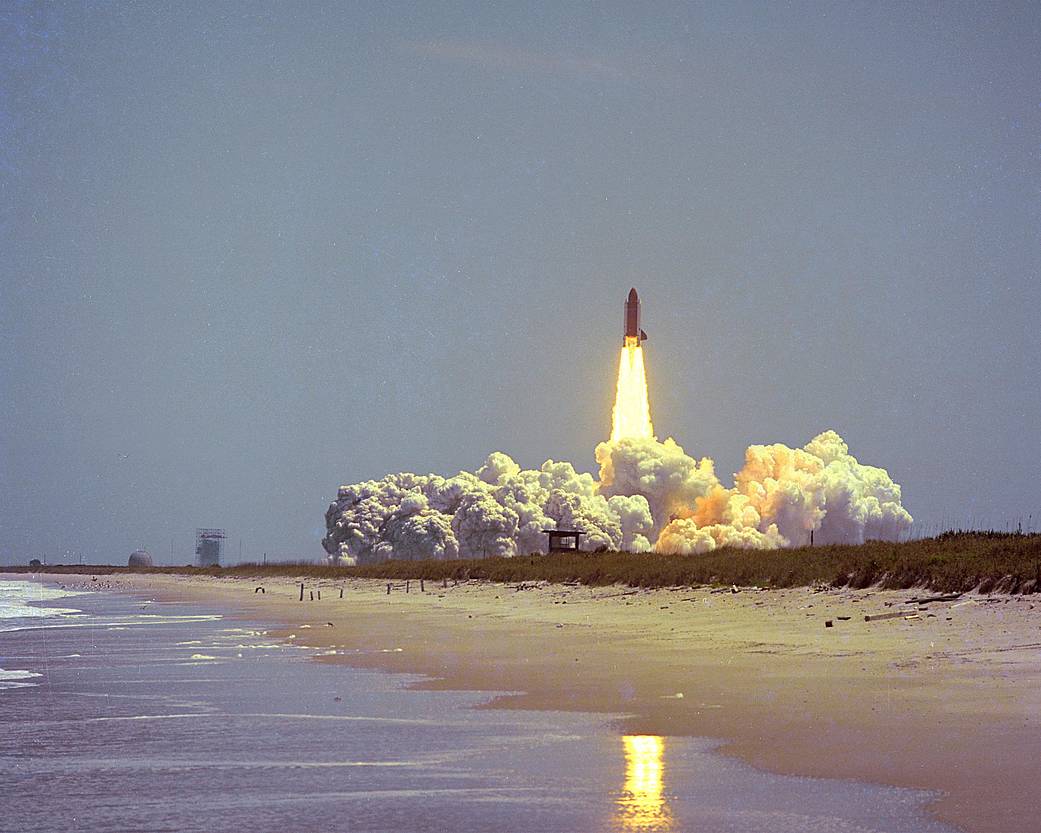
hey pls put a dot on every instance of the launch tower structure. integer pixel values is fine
(209, 545)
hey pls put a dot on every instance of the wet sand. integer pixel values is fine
(948, 701)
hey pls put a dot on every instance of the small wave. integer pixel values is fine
(11, 609)
(142, 619)
(19, 600)
(40, 592)
(16, 684)
(520, 795)
(16, 678)
(349, 718)
(180, 764)
(17, 675)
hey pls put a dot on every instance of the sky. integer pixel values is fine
(251, 251)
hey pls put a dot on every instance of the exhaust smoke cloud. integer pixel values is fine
(650, 495)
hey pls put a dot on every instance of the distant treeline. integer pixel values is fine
(952, 562)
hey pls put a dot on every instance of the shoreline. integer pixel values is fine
(948, 702)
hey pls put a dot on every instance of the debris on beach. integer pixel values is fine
(950, 597)
(893, 614)
(624, 593)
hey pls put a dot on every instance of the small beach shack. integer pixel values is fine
(563, 540)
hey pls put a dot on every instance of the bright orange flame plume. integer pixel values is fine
(632, 412)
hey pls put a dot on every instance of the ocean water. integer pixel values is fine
(120, 715)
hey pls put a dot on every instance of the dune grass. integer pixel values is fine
(952, 562)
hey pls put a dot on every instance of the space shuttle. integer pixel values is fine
(633, 335)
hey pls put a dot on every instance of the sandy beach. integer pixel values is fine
(945, 696)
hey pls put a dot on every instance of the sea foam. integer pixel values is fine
(16, 678)
(18, 600)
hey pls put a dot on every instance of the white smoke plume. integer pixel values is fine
(650, 495)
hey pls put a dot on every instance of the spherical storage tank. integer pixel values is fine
(139, 558)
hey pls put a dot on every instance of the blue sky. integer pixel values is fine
(252, 251)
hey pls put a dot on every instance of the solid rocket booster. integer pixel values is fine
(633, 334)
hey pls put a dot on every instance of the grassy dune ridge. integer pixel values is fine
(952, 562)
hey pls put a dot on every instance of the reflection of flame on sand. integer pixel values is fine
(641, 806)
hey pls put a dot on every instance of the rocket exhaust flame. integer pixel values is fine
(631, 418)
